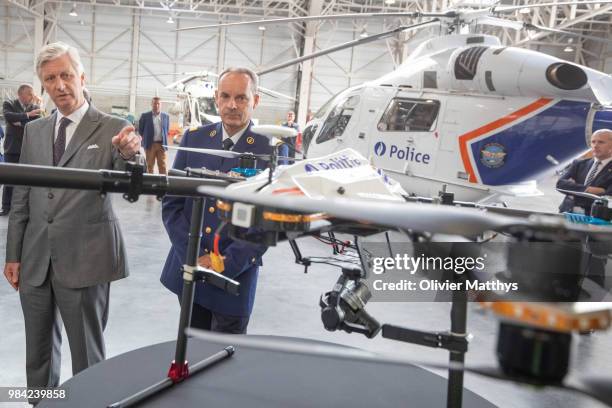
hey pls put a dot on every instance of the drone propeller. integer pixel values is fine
(228, 154)
(440, 219)
(348, 44)
(402, 215)
(596, 388)
(581, 194)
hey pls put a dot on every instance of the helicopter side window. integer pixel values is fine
(338, 119)
(409, 115)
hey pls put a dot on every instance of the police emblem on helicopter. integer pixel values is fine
(492, 155)
(380, 148)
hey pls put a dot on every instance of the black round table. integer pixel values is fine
(259, 378)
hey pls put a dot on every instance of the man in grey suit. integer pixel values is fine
(64, 247)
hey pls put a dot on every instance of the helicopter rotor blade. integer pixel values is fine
(221, 153)
(345, 45)
(359, 16)
(510, 9)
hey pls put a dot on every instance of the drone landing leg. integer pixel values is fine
(454, 394)
(179, 369)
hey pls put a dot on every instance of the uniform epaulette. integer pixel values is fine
(193, 128)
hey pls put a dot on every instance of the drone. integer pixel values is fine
(344, 193)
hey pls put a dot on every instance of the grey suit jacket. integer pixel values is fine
(76, 230)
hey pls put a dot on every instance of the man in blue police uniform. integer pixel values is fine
(213, 309)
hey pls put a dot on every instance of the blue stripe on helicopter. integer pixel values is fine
(517, 153)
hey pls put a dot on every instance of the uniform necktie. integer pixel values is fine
(228, 143)
(60, 143)
(592, 174)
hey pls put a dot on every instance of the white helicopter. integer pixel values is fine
(463, 110)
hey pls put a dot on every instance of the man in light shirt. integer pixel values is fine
(153, 126)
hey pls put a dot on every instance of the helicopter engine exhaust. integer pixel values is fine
(566, 76)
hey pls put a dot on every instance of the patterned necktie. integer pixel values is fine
(60, 143)
(228, 143)
(592, 174)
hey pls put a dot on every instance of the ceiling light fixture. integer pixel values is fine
(525, 10)
(569, 48)
(364, 33)
(389, 2)
(261, 28)
(170, 20)
(73, 11)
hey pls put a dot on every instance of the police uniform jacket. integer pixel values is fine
(242, 260)
(578, 172)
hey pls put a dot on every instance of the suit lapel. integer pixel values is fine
(47, 132)
(84, 131)
(603, 173)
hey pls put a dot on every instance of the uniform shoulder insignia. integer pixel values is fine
(193, 128)
(213, 133)
(250, 140)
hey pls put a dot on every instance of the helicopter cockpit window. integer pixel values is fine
(323, 109)
(409, 115)
(338, 118)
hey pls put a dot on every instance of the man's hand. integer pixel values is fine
(34, 112)
(205, 261)
(127, 142)
(11, 271)
(595, 190)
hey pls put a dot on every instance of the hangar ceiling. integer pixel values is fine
(130, 47)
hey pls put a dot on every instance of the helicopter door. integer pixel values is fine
(406, 139)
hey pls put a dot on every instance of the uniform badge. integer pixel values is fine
(250, 140)
(212, 133)
(193, 128)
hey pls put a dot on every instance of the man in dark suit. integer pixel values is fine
(291, 141)
(64, 247)
(153, 126)
(17, 113)
(214, 309)
(589, 175)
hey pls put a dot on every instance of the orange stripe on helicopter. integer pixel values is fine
(288, 191)
(464, 139)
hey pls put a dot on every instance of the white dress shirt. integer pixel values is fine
(75, 117)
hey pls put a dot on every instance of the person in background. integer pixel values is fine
(64, 246)
(153, 126)
(291, 141)
(17, 113)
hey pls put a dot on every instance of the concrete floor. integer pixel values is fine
(143, 313)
